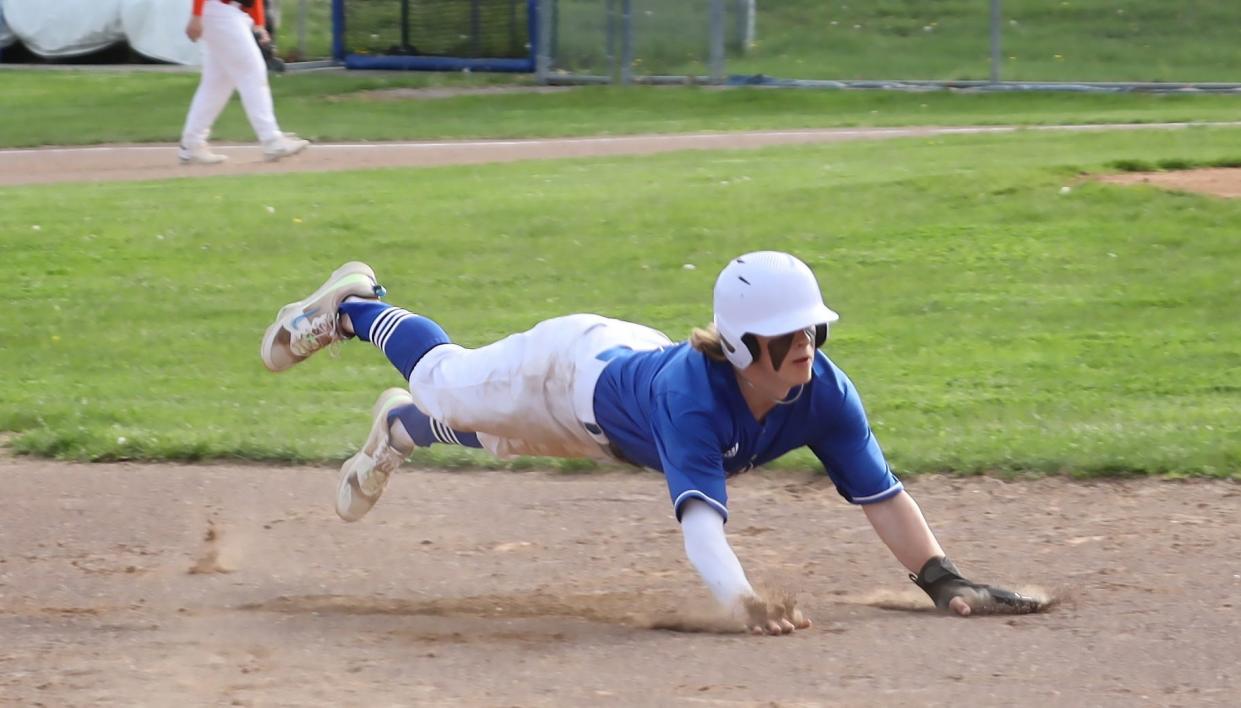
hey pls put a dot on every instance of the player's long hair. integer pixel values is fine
(707, 340)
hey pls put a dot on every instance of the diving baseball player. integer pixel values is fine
(231, 59)
(741, 392)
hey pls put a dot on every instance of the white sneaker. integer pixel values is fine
(283, 146)
(199, 155)
(304, 327)
(364, 476)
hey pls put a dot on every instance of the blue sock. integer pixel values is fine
(426, 430)
(400, 334)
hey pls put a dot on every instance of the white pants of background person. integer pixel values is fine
(232, 60)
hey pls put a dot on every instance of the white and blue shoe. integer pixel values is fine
(364, 476)
(308, 325)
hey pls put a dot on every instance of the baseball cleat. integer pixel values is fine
(199, 155)
(306, 326)
(284, 145)
(364, 476)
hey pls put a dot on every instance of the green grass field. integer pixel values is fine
(991, 321)
(72, 108)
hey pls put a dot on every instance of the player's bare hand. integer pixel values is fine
(773, 617)
(194, 29)
(260, 33)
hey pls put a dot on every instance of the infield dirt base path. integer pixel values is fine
(146, 162)
(538, 588)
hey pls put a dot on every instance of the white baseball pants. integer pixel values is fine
(231, 59)
(530, 393)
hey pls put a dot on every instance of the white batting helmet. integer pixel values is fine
(767, 293)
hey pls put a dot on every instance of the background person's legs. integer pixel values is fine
(214, 89)
(241, 59)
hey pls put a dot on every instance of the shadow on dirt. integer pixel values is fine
(633, 610)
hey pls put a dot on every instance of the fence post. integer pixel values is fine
(476, 24)
(543, 41)
(716, 50)
(995, 42)
(626, 42)
(301, 30)
(338, 30)
(609, 38)
(747, 24)
(405, 26)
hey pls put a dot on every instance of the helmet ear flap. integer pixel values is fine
(820, 334)
(751, 343)
(742, 356)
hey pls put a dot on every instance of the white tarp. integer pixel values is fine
(6, 35)
(156, 29)
(65, 28)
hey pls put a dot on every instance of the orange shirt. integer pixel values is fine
(255, 11)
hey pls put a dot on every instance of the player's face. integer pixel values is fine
(790, 357)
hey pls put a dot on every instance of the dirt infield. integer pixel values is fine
(534, 588)
(146, 162)
(1219, 182)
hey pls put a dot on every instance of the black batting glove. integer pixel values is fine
(940, 579)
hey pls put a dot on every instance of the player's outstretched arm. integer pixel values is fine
(899, 522)
(709, 552)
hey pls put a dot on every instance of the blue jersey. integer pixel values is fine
(680, 412)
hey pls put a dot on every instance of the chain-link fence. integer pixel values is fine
(790, 42)
(854, 42)
(625, 40)
(755, 41)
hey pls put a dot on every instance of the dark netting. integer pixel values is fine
(668, 36)
(467, 29)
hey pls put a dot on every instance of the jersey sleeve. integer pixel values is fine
(842, 440)
(197, 8)
(257, 13)
(689, 451)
